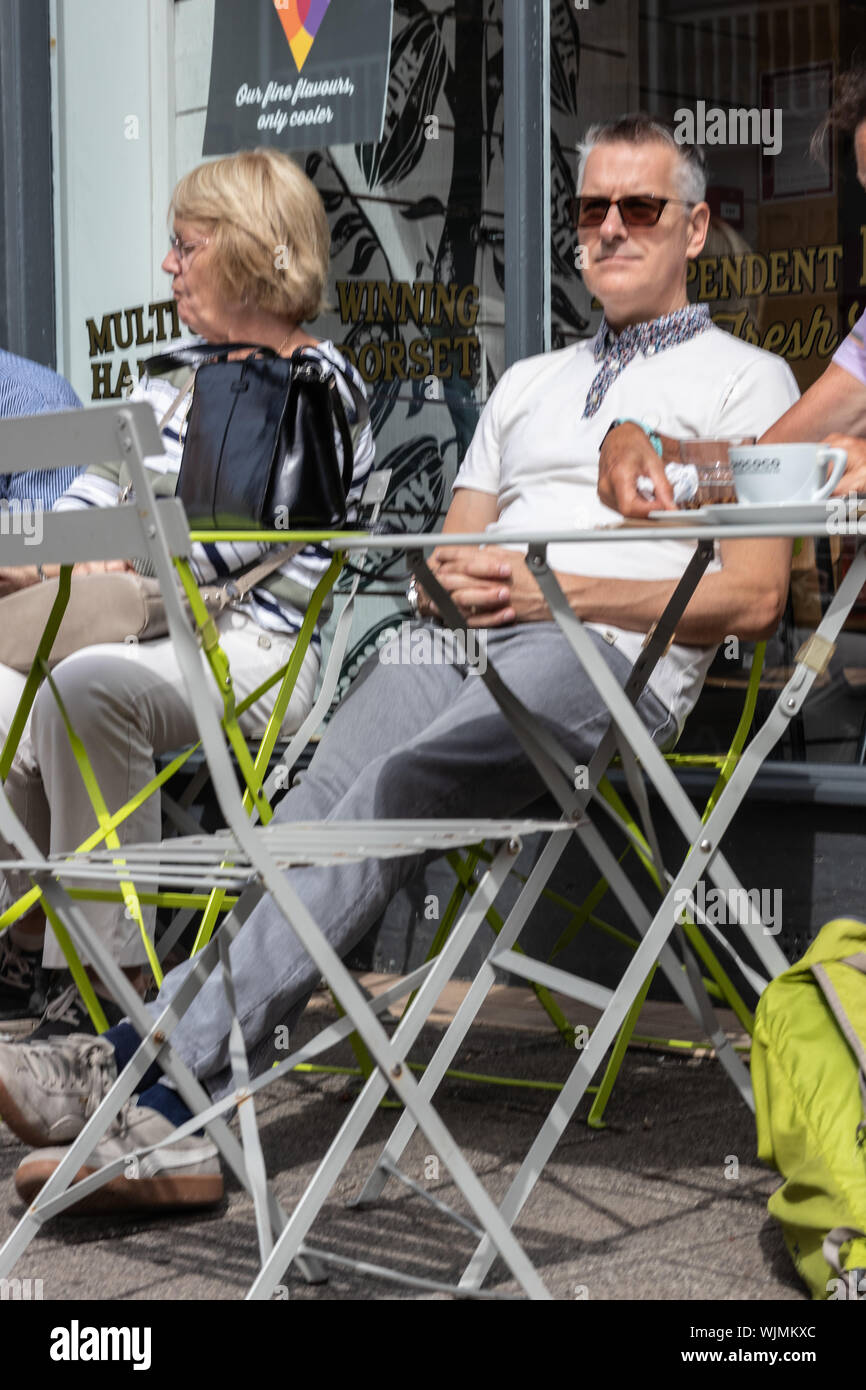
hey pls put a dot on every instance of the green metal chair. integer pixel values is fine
(718, 983)
(252, 763)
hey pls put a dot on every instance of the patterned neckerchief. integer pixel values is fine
(615, 351)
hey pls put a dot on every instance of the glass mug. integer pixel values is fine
(713, 479)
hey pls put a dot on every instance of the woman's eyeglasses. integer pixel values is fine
(635, 211)
(184, 249)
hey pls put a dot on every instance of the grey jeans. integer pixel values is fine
(409, 741)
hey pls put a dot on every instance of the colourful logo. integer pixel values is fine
(301, 20)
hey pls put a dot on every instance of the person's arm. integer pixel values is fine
(745, 598)
(493, 587)
(760, 390)
(15, 577)
(470, 511)
(833, 410)
(835, 403)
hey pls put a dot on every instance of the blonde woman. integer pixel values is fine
(248, 260)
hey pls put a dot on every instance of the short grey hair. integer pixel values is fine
(640, 129)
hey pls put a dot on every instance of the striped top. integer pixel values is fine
(28, 388)
(280, 602)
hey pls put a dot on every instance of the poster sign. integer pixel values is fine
(803, 94)
(297, 73)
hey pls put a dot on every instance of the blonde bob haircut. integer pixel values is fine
(268, 228)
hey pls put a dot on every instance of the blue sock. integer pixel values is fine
(153, 1091)
(126, 1043)
(167, 1101)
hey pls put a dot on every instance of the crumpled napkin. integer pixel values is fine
(683, 478)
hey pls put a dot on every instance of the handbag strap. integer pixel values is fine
(184, 391)
(248, 579)
(194, 354)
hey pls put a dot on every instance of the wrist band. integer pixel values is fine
(652, 436)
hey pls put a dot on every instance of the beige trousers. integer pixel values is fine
(128, 704)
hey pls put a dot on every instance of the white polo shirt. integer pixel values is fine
(535, 453)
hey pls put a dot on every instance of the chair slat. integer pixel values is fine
(97, 533)
(74, 438)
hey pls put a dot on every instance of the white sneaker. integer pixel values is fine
(186, 1174)
(49, 1090)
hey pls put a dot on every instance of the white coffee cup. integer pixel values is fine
(765, 473)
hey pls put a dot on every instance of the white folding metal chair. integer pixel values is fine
(246, 858)
(251, 858)
(704, 859)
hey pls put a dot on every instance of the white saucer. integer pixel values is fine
(786, 513)
(683, 518)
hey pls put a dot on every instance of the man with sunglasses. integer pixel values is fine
(832, 410)
(418, 741)
(657, 362)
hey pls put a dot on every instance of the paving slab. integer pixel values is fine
(667, 1203)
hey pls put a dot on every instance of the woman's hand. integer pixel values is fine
(15, 577)
(854, 477)
(93, 567)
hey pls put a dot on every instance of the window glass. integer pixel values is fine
(418, 269)
(417, 224)
(783, 268)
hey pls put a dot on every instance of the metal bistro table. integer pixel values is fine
(702, 858)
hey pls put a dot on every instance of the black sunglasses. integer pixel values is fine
(635, 211)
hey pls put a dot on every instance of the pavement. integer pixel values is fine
(667, 1203)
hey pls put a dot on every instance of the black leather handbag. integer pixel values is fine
(260, 448)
